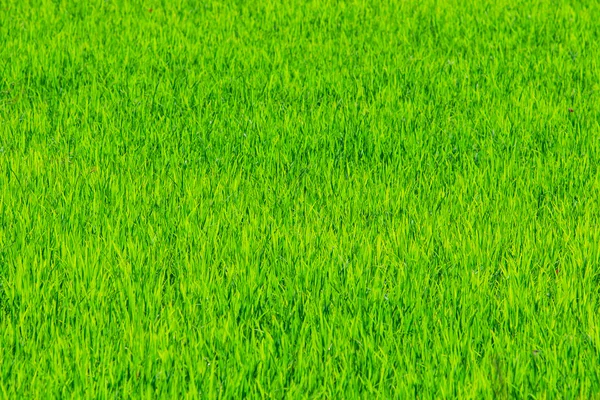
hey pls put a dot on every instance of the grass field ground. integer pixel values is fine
(301, 199)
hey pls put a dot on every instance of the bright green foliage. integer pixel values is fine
(300, 199)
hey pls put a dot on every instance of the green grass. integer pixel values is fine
(301, 199)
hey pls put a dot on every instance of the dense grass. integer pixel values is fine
(299, 199)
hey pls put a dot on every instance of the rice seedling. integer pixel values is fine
(302, 199)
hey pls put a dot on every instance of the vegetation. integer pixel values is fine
(301, 199)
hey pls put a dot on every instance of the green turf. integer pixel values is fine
(299, 199)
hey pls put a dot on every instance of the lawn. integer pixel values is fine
(299, 199)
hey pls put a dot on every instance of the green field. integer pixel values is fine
(300, 199)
